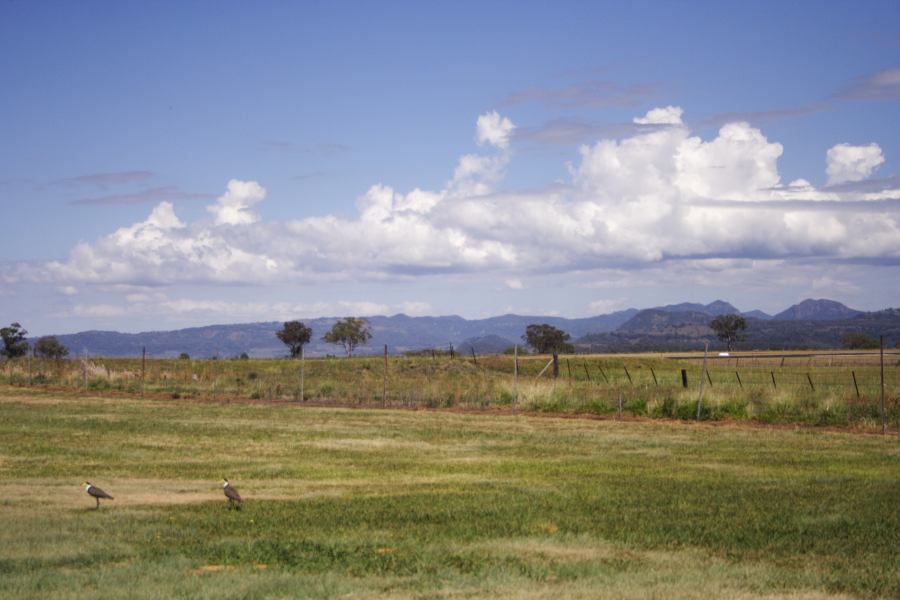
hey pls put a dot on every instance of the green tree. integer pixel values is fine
(546, 338)
(184, 356)
(349, 332)
(294, 335)
(14, 342)
(49, 347)
(727, 328)
(859, 341)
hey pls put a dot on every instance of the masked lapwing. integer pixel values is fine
(232, 494)
(96, 493)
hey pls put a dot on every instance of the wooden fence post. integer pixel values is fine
(652, 372)
(586, 372)
(772, 373)
(738, 375)
(627, 374)
(474, 357)
(684, 381)
(811, 386)
(855, 385)
(515, 377)
(555, 365)
(384, 386)
(883, 414)
(544, 370)
(602, 372)
(302, 382)
(702, 378)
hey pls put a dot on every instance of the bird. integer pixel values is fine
(96, 493)
(231, 494)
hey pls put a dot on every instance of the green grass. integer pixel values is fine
(418, 504)
(736, 389)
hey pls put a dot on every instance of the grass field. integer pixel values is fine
(364, 503)
(832, 389)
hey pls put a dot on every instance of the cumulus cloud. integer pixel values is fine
(851, 163)
(493, 129)
(414, 308)
(233, 207)
(667, 115)
(659, 194)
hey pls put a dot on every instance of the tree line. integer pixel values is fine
(352, 332)
(15, 344)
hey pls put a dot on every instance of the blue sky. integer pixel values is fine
(174, 164)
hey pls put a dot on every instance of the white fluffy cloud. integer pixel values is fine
(233, 207)
(659, 195)
(668, 115)
(493, 129)
(852, 163)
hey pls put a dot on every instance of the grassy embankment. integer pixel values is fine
(372, 503)
(795, 389)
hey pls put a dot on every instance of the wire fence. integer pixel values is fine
(824, 389)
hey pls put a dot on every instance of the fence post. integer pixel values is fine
(627, 374)
(544, 370)
(684, 382)
(302, 395)
(602, 372)
(451, 351)
(883, 414)
(738, 375)
(855, 385)
(586, 372)
(384, 386)
(569, 368)
(772, 373)
(652, 372)
(143, 368)
(29, 368)
(474, 357)
(811, 386)
(702, 378)
(619, 415)
(515, 377)
(555, 365)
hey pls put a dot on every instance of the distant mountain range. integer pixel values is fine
(809, 324)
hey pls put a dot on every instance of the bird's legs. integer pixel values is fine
(98, 503)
